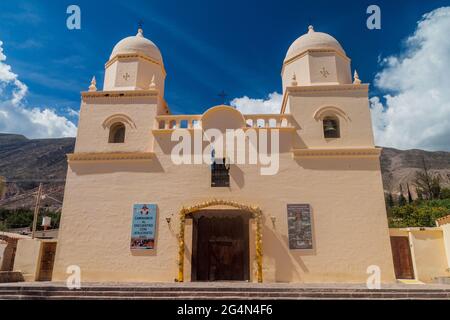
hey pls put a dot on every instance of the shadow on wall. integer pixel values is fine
(142, 166)
(289, 265)
(237, 175)
(341, 164)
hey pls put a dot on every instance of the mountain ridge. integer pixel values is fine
(27, 162)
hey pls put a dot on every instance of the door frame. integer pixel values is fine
(39, 274)
(195, 230)
(410, 256)
(256, 214)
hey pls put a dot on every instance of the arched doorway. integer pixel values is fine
(218, 243)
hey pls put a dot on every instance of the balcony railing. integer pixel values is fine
(269, 121)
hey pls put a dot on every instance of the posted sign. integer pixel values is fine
(144, 226)
(300, 226)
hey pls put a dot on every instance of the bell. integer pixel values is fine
(329, 126)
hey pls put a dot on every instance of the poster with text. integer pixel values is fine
(299, 226)
(144, 226)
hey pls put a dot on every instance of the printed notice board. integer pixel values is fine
(144, 226)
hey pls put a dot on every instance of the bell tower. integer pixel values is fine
(135, 64)
(120, 118)
(316, 58)
(331, 110)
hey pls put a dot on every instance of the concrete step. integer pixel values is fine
(187, 293)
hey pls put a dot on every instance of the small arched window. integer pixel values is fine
(331, 128)
(117, 133)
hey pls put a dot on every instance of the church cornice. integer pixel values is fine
(318, 89)
(341, 152)
(109, 156)
(119, 94)
(133, 56)
(308, 51)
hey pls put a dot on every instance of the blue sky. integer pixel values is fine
(207, 46)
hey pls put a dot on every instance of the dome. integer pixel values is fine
(137, 44)
(313, 40)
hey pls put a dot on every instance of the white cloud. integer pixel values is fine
(16, 117)
(73, 113)
(271, 104)
(416, 113)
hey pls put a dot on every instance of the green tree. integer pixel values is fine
(2, 187)
(445, 193)
(427, 184)
(410, 199)
(401, 198)
(390, 201)
(423, 214)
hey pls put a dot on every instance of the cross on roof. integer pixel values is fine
(223, 95)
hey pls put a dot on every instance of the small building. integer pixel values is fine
(422, 254)
(8, 247)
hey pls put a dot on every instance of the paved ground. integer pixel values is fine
(396, 286)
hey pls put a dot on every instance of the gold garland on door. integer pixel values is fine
(256, 214)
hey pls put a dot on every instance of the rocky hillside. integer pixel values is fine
(400, 167)
(25, 163)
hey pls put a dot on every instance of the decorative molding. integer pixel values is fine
(135, 55)
(109, 156)
(320, 113)
(328, 88)
(308, 51)
(222, 108)
(318, 89)
(344, 152)
(252, 209)
(119, 94)
(119, 117)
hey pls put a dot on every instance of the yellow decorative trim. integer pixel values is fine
(254, 210)
(109, 156)
(345, 152)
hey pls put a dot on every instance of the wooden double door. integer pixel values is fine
(220, 250)
(401, 253)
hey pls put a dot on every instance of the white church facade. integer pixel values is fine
(132, 213)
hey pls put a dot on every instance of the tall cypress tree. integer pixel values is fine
(401, 198)
(390, 201)
(410, 199)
